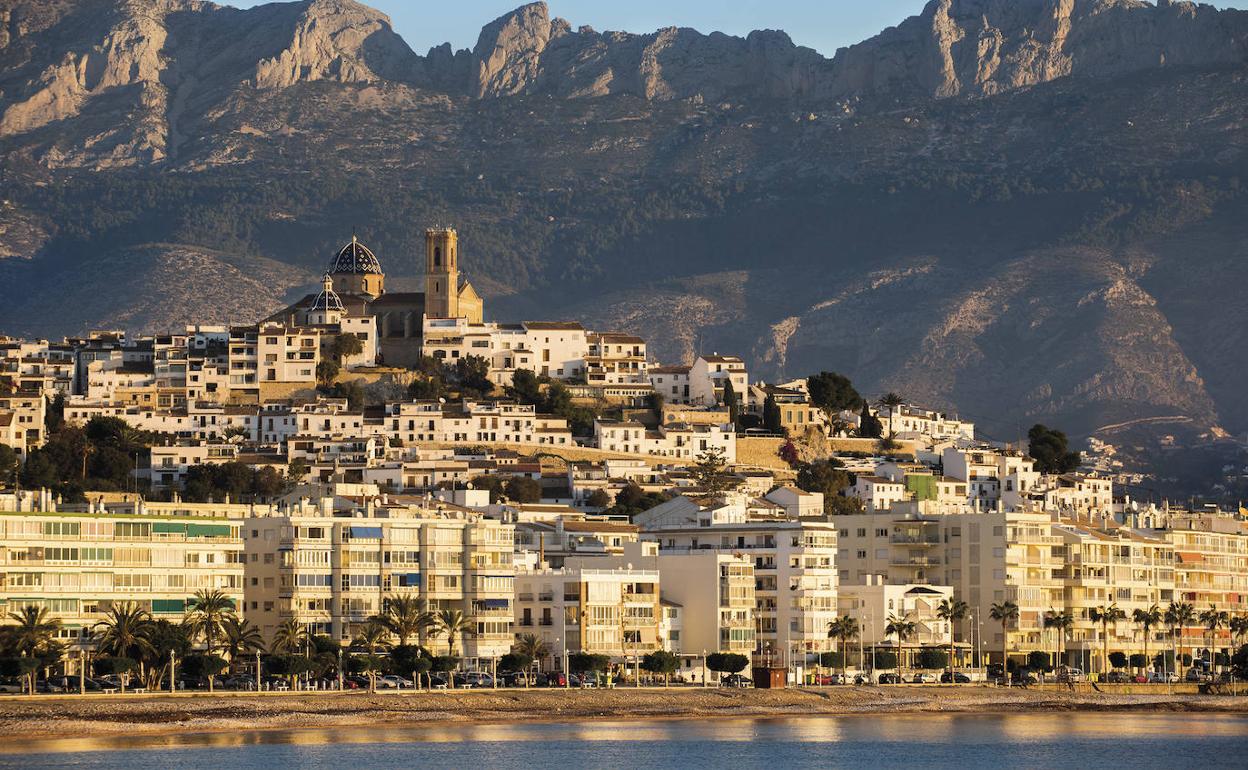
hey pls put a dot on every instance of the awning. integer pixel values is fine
(495, 604)
(365, 533)
(169, 527)
(1189, 558)
(410, 580)
(208, 530)
(168, 605)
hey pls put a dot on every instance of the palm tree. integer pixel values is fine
(903, 628)
(452, 623)
(1239, 628)
(406, 616)
(125, 632)
(34, 634)
(1179, 615)
(532, 646)
(1004, 613)
(952, 611)
(290, 637)
(843, 629)
(240, 637)
(1213, 619)
(890, 401)
(1062, 621)
(206, 612)
(372, 637)
(1147, 620)
(1106, 616)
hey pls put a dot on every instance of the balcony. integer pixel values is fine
(915, 539)
(914, 561)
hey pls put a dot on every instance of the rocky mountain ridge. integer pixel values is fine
(1029, 209)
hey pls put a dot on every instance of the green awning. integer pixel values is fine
(169, 527)
(168, 605)
(208, 530)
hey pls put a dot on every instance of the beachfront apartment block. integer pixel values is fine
(795, 572)
(79, 560)
(331, 565)
(584, 607)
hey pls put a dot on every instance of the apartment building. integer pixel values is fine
(555, 349)
(475, 422)
(332, 565)
(584, 608)
(79, 563)
(22, 417)
(875, 603)
(615, 359)
(708, 374)
(994, 477)
(795, 569)
(684, 441)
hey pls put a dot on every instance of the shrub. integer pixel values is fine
(584, 662)
(198, 666)
(885, 659)
(115, 666)
(1118, 659)
(1038, 660)
(514, 661)
(932, 657)
(832, 659)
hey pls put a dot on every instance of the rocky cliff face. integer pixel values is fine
(1010, 219)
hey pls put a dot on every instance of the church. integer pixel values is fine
(356, 283)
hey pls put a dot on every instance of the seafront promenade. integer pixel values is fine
(25, 717)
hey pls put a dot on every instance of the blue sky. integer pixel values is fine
(824, 25)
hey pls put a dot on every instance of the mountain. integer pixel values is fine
(1024, 210)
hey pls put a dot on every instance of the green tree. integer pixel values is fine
(710, 472)
(827, 477)
(931, 658)
(240, 637)
(1107, 616)
(125, 632)
(1062, 622)
(732, 401)
(206, 614)
(33, 635)
(1004, 613)
(471, 374)
(522, 489)
(290, 638)
(406, 617)
(902, 627)
(1118, 659)
(599, 498)
(525, 387)
(869, 426)
(345, 346)
(1213, 619)
(661, 662)
(327, 371)
(1179, 616)
(892, 402)
(1049, 448)
(451, 624)
(772, 422)
(1039, 660)
(953, 612)
(832, 393)
(1147, 620)
(843, 629)
(10, 462)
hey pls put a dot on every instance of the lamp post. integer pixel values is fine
(257, 671)
(173, 686)
(705, 673)
(340, 669)
(82, 671)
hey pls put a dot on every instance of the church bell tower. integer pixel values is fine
(441, 272)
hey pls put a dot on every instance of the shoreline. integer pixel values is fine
(78, 718)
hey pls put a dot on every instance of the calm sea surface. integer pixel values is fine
(1078, 740)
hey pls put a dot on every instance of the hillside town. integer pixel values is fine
(373, 473)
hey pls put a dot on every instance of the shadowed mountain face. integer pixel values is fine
(1023, 209)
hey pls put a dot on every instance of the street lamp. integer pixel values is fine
(340, 669)
(257, 671)
(172, 681)
(705, 674)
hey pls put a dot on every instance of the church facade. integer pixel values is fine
(358, 282)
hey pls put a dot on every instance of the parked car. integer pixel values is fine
(1069, 674)
(478, 679)
(559, 679)
(957, 678)
(438, 681)
(1118, 677)
(1163, 677)
(736, 680)
(890, 679)
(394, 681)
(829, 679)
(924, 678)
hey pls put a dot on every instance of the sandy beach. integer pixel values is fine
(23, 718)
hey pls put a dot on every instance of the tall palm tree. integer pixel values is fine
(1147, 620)
(843, 629)
(890, 401)
(952, 611)
(290, 637)
(1107, 616)
(1213, 619)
(451, 623)
(125, 631)
(206, 613)
(1239, 628)
(240, 637)
(1061, 621)
(1005, 612)
(1179, 616)
(903, 628)
(406, 616)
(372, 637)
(530, 645)
(34, 634)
